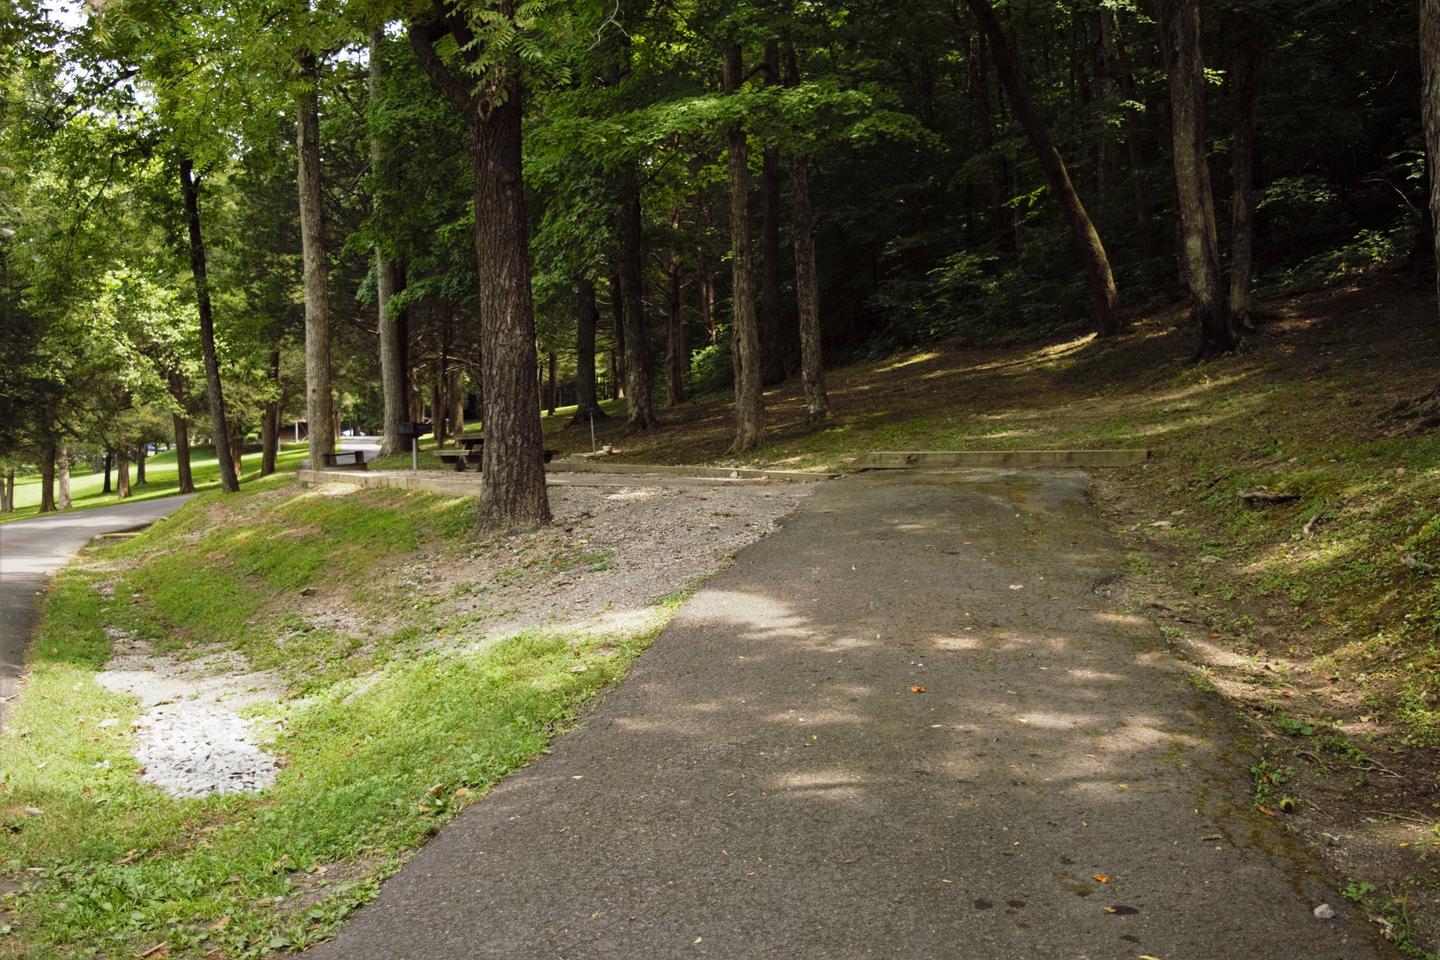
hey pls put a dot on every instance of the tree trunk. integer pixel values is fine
(109, 463)
(7, 492)
(64, 464)
(455, 399)
(1104, 297)
(551, 389)
(270, 420)
(772, 357)
(587, 319)
(438, 410)
(745, 337)
(1244, 89)
(392, 351)
(1181, 20)
(512, 490)
(1423, 412)
(47, 478)
(677, 357)
(707, 300)
(237, 451)
(122, 472)
(142, 452)
(182, 453)
(229, 482)
(807, 284)
(319, 404)
(978, 63)
(641, 415)
(1134, 146)
(617, 355)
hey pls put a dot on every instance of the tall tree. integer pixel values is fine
(807, 283)
(392, 348)
(1244, 91)
(629, 228)
(1199, 253)
(319, 401)
(512, 487)
(199, 272)
(772, 358)
(745, 343)
(1423, 412)
(587, 320)
(1105, 300)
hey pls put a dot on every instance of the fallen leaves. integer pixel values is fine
(1100, 877)
(916, 688)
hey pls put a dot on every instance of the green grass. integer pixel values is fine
(387, 731)
(162, 479)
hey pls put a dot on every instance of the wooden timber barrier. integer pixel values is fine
(960, 459)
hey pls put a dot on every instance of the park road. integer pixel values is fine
(910, 724)
(30, 550)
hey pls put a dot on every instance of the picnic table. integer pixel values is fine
(474, 453)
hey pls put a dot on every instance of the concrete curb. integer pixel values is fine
(942, 459)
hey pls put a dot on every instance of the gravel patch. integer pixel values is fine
(191, 739)
(612, 553)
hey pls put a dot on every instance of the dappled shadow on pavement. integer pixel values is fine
(910, 724)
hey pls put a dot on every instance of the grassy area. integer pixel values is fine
(394, 719)
(162, 479)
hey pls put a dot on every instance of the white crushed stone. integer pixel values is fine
(191, 740)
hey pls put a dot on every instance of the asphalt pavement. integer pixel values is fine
(911, 724)
(30, 550)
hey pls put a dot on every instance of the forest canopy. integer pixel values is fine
(218, 217)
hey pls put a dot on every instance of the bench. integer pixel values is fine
(345, 460)
(474, 457)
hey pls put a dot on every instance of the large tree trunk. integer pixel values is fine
(229, 481)
(122, 472)
(1244, 89)
(745, 343)
(1423, 412)
(641, 415)
(182, 453)
(7, 492)
(142, 453)
(109, 464)
(319, 404)
(677, 355)
(772, 357)
(512, 489)
(1134, 146)
(807, 283)
(64, 465)
(47, 477)
(392, 351)
(1181, 20)
(587, 319)
(1105, 300)
(552, 389)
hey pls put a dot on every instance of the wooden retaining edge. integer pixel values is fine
(714, 473)
(943, 459)
(454, 486)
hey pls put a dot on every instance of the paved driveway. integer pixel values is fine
(30, 550)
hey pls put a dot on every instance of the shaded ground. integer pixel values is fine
(908, 724)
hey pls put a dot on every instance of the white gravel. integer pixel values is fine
(191, 739)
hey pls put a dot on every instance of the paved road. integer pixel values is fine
(30, 550)
(771, 781)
